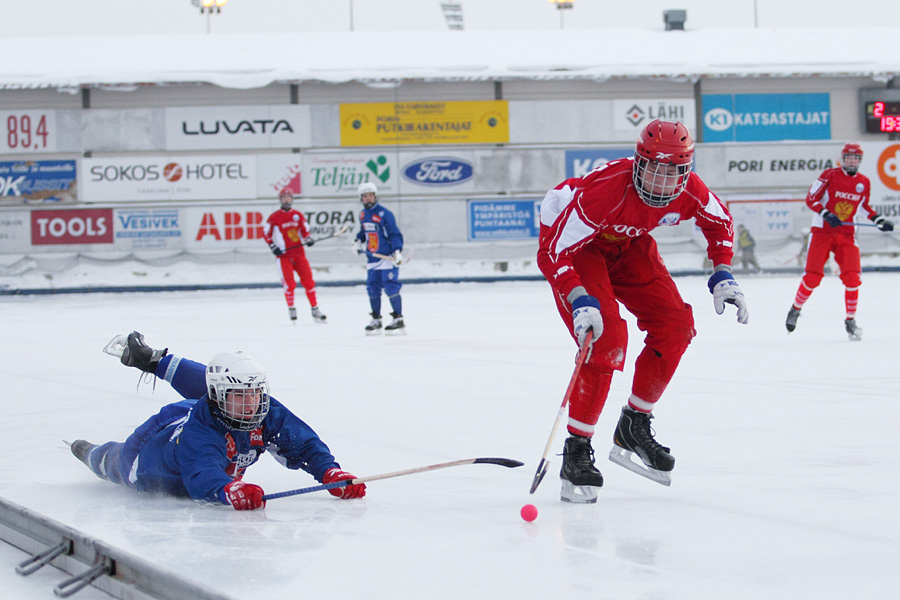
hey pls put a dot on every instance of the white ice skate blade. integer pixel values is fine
(376, 332)
(395, 331)
(623, 458)
(578, 494)
(116, 346)
(855, 337)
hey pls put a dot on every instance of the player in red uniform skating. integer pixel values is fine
(596, 251)
(287, 232)
(836, 197)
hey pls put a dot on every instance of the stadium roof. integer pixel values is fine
(253, 61)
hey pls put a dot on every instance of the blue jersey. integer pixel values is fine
(185, 451)
(378, 229)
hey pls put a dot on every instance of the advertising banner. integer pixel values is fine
(38, 181)
(881, 163)
(633, 115)
(141, 229)
(581, 162)
(391, 123)
(339, 174)
(153, 178)
(75, 226)
(503, 219)
(235, 227)
(766, 117)
(28, 131)
(754, 166)
(15, 231)
(235, 127)
(276, 172)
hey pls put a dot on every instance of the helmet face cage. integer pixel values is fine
(663, 157)
(238, 390)
(851, 157)
(659, 183)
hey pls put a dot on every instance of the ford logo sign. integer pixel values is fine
(438, 171)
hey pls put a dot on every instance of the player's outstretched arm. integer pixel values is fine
(725, 290)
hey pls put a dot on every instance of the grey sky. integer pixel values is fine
(136, 17)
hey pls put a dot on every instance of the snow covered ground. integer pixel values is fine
(785, 486)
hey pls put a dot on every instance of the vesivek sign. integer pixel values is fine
(236, 127)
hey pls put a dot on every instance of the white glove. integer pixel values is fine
(398, 258)
(586, 316)
(358, 247)
(726, 290)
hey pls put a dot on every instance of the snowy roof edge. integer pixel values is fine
(254, 61)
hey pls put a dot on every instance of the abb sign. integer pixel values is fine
(88, 226)
(231, 226)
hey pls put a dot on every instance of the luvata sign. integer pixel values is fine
(233, 127)
(216, 177)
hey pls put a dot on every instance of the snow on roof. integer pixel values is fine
(256, 60)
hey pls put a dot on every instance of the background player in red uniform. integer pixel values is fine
(836, 197)
(596, 251)
(286, 232)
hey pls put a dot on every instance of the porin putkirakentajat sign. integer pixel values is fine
(389, 123)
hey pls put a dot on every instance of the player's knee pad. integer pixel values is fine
(812, 280)
(851, 279)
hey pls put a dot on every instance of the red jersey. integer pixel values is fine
(603, 210)
(287, 228)
(841, 194)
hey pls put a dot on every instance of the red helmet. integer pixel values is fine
(663, 157)
(851, 156)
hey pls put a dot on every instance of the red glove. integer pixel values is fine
(351, 491)
(244, 496)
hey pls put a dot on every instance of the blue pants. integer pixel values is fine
(113, 461)
(387, 281)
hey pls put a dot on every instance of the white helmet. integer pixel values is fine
(367, 188)
(238, 390)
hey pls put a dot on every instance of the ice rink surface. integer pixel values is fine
(786, 481)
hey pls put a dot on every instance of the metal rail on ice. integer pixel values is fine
(90, 561)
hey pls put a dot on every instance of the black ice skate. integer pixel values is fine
(292, 313)
(132, 351)
(396, 327)
(81, 449)
(580, 478)
(633, 436)
(854, 331)
(791, 321)
(317, 315)
(374, 326)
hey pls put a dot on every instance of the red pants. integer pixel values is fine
(291, 261)
(635, 276)
(824, 242)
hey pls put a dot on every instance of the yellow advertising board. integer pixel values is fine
(389, 123)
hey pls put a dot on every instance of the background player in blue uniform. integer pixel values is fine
(379, 234)
(201, 446)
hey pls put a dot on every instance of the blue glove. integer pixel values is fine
(275, 249)
(726, 290)
(586, 316)
(831, 218)
(883, 224)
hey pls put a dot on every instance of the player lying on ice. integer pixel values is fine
(201, 446)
